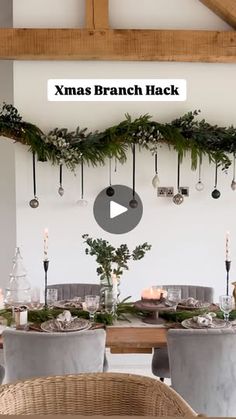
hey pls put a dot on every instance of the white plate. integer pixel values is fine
(78, 324)
(203, 306)
(216, 324)
(67, 304)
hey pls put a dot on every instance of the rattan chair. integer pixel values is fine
(106, 394)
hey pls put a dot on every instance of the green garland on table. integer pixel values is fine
(61, 146)
(123, 309)
(40, 316)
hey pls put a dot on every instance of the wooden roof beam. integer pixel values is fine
(225, 9)
(118, 44)
(97, 15)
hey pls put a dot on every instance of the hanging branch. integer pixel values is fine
(61, 146)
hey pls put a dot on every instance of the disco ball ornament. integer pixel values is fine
(61, 191)
(155, 181)
(110, 191)
(199, 186)
(215, 194)
(233, 185)
(133, 203)
(178, 199)
(34, 203)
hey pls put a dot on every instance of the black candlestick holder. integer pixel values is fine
(45, 267)
(227, 266)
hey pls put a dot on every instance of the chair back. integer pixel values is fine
(37, 354)
(203, 369)
(195, 291)
(69, 291)
(106, 394)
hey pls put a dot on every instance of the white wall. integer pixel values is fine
(188, 241)
(7, 164)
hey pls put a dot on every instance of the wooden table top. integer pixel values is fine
(134, 337)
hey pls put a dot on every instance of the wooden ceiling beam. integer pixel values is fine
(121, 45)
(97, 16)
(225, 9)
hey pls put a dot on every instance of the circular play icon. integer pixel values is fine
(116, 212)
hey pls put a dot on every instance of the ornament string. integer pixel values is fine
(34, 175)
(178, 174)
(216, 175)
(60, 175)
(34, 203)
(109, 171)
(156, 163)
(233, 183)
(82, 179)
(134, 168)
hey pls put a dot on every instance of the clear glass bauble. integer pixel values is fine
(155, 181)
(199, 186)
(82, 203)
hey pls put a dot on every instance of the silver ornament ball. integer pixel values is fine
(34, 203)
(178, 199)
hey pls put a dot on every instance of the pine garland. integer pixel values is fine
(61, 146)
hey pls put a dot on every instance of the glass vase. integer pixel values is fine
(106, 287)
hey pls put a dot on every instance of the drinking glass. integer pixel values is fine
(174, 296)
(226, 305)
(52, 296)
(35, 298)
(92, 305)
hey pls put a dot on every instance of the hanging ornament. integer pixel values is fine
(82, 202)
(178, 199)
(199, 185)
(155, 180)
(216, 193)
(133, 203)
(233, 183)
(60, 189)
(34, 203)
(110, 191)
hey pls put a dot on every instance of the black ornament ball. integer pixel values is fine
(110, 191)
(133, 203)
(215, 194)
(34, 203)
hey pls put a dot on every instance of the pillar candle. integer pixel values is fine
(45, 244)
(227, 247)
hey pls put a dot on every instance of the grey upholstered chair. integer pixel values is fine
(160, 359)
(68, 291)
(203, 369)
(36, 354)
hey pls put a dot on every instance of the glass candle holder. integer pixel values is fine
(20, 317)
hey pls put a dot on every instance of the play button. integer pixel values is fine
(114, 213)
(116, 209)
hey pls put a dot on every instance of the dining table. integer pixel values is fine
(132, 336)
